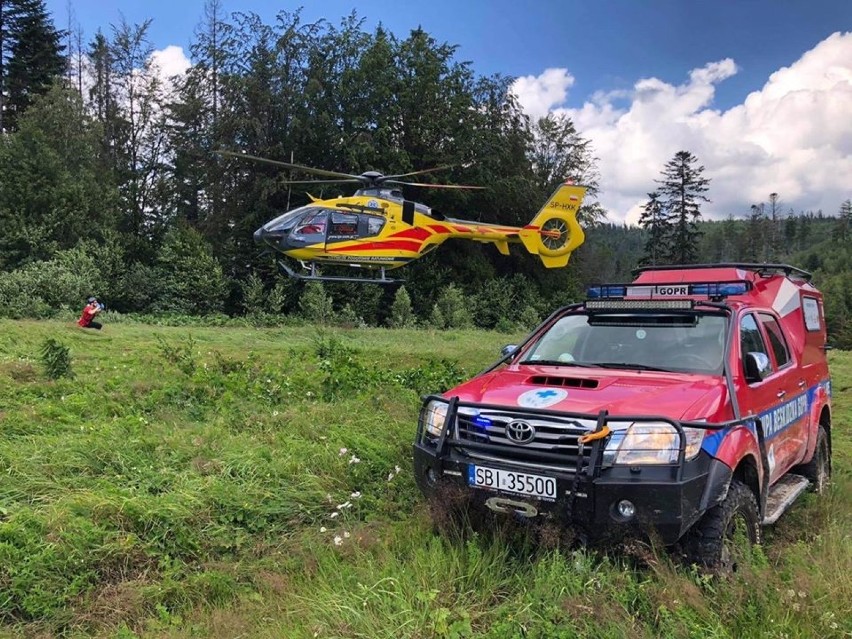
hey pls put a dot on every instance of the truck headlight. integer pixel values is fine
(650, 443)
(434, 417)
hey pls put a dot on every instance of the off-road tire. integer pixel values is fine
(712, 544)
(818, 470)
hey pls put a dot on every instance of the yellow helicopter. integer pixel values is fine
(377, 229)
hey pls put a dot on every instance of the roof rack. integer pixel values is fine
(761, 269)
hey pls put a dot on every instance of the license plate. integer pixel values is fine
(511, 481)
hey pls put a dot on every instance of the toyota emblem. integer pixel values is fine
(520, 432)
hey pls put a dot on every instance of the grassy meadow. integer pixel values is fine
(242, 482)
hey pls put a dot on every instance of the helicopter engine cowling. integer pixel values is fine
(554, 233)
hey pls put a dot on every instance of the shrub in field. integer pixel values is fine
(315, 304)
(191, 280)
(436, 318)
(56, 358)
(348, 317)
(181, 355)
(402, 315)
(254, 296)
(454, 308)
(40, 288)
(432, 376)
(137, 288)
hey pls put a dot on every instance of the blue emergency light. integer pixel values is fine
(659, 291)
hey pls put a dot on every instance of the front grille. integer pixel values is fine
(555, 445)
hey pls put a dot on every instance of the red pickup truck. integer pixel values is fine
(691, 404)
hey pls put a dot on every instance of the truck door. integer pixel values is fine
(762, 390)
(790, 416)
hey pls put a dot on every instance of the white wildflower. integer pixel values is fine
(275, 413)
(333, 515)
(323, 529)
(397, 469)
(390, 476)
(338, 540)
(354, 460)
(344, 505)
(342, 452)
(356, 495)
(346, 534)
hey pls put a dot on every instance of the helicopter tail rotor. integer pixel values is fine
(554, 232)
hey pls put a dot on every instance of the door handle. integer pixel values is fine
(780, 394)
(802, 383)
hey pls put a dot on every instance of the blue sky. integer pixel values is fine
(625, 71)
(607, 44)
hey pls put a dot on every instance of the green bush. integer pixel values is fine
(56, 359)
(191, 280)
(41, 288)
(401, 315)
(454, 308)
(315, 305)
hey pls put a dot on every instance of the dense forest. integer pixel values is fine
(110, 184)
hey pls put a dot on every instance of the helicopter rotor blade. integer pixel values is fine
(320, 182)
(440, 186)
(420, 172)
(287, 165)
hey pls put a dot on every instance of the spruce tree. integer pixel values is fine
(30, 56)
(658, 223)
(681, 190)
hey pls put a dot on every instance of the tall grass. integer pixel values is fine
(235, 481)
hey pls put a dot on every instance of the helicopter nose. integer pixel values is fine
(258, 236)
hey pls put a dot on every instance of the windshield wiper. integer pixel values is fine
(629, 366)
(556, 362)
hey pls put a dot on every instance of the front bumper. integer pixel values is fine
(667, 501)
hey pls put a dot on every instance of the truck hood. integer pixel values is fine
(680, 396)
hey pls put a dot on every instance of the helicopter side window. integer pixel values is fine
(311, 228)
(372, 224)
(344, 226)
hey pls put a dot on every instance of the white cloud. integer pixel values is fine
(170, 61)
(539, 94)
(793, 136)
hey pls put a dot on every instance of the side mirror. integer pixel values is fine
(757, 367)
(508, 349)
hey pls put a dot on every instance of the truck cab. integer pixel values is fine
(688, 404)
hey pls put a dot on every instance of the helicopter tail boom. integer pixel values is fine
(554, 232)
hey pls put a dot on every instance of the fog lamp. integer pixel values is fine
(626, 508)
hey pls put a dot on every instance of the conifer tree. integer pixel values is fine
(30, 56)
(844, 222)
(681, 190)
(658, 223)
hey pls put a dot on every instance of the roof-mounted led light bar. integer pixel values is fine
(632, 305)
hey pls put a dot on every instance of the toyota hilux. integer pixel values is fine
(688, 405)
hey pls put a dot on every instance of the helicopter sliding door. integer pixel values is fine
(345, 226)
(342, 228)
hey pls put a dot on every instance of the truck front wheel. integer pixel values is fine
(723, 537)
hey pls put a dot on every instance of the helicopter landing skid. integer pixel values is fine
(313, 276)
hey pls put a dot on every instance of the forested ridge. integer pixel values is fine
(110, 184)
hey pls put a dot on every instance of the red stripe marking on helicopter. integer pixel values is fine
(400, 245)
(530, 227)
(415, 233)
(462, 229)
(440, 228)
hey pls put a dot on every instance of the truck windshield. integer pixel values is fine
(693, 342)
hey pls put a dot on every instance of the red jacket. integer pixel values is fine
(88, 314)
